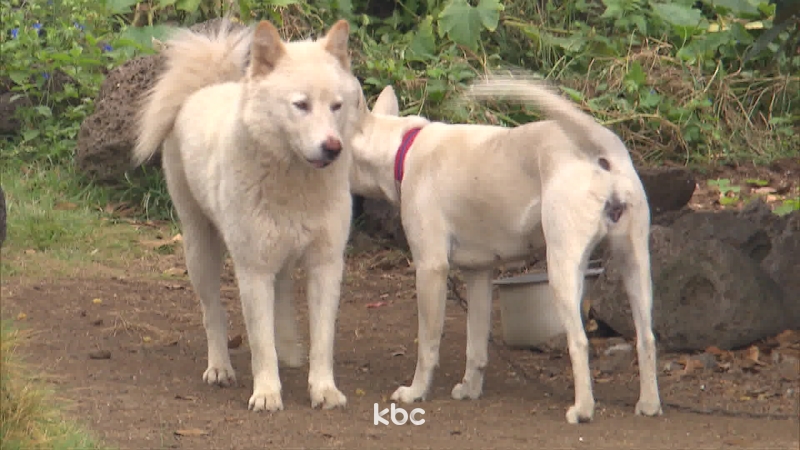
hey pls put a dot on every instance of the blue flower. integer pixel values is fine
(107, 48)
(37, 26)
(14, 33)
(45, 75)
(79, 26)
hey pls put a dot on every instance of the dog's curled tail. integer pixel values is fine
(192, 61)
(578, 125)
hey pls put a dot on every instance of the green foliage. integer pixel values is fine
(670, 77)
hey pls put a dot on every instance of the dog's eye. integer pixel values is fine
(336, 106)
(302, 105)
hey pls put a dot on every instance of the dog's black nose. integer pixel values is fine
(331, 148)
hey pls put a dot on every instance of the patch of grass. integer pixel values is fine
(29, 417)
(53, 217)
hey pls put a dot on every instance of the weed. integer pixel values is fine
(29, 418)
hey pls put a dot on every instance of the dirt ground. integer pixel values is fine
(126, 348)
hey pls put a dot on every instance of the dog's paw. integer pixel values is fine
(291, 353)
(466, 390)
(220, 375)
(326, 396)
(265, 401)
(407, 394)
(580, 414)
(649, 409)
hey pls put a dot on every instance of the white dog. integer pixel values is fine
(255, 156)
(475, 196)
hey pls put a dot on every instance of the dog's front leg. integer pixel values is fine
(287, 340)
(257, 290)
(431, 301)
(324, 288)
(479, 318)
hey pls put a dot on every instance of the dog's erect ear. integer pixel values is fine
(267, 48)
(336, 42)
(386, 103)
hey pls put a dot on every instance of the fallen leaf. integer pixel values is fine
(30, 251)
(100, 354)
(97, 322)
(190, 398)
(375, 305)
(788, 338)
(146, 339)
(65, 206)
(360, 392)
(191, 432)
(235, 341)
(713, 350)
(765, 190)
(602, 380)
(175, 272)
(97, 301)
(753, 353)
(22, 316)
(591, 326)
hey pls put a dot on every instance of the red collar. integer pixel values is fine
(400, 157)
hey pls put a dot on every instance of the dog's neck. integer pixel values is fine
(374, 152)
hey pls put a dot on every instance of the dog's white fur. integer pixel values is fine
(475, 196)
(244, 142)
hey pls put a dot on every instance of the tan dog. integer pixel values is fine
(256, 163)
(475, 196)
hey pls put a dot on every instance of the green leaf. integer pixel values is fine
(120, 6)
(423, 45)
(739, 8)
(189, 6)
(143, 36)
(20, 78)
(29, 135)
(165, 3)
(44, 110)
(636, 74)
(575, 95)
(293, 2)
(685, 19)
(463, 23)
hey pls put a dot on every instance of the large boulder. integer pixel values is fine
(107, 137)
(709, 287)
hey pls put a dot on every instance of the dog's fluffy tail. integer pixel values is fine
(192, 61)
(579, 126)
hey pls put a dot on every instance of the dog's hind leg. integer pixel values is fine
(287, 340)
(204, 250)
(479, 318)
(633, 249)
(570, 235)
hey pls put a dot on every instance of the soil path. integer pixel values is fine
(151, 386)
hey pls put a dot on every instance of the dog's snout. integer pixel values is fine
(331, 147)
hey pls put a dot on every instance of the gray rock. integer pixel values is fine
(728, 227)
(706, 292)
(783, 265)
(107, 137)
(668, 189)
